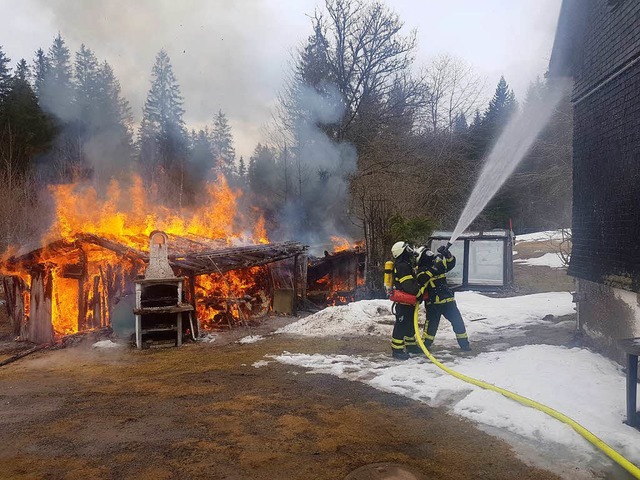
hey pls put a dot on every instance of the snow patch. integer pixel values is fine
(552, 260)
(260, 363)
(107, 344)
(251, 339)
(209, 338)
(541, 236)
(500, 316)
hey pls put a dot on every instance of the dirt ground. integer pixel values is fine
(203, 411)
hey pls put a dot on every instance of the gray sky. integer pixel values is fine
(234, 54)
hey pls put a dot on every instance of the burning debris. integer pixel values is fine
(97, 248)
(335, 278)
(72, 286)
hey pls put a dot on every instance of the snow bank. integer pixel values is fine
(507, 316)
(484, 316)
(357, 318)
(552, 260)
(585, 386)
(540, 236)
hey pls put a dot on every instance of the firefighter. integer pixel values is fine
(432, 270)
(403, 341)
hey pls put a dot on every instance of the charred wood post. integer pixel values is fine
(14, 290)
(295, 285)
(40, 328)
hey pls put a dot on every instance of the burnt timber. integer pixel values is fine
(28, 277)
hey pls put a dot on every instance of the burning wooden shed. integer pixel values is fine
(81, 283)
(335, 278)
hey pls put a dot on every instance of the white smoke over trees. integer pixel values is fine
(361, 133)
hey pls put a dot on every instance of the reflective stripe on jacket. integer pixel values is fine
(404, 278)
(434, 279)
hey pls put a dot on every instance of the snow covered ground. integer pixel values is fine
(577, 382)
(552, 260)
(540, 236)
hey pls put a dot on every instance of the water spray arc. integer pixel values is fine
(512, 145)
(586, 434)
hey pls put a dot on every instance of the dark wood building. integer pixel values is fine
(598, 45)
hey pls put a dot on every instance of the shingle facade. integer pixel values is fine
(605, 63)
(598, 44)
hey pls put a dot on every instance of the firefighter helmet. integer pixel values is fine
(399, 248)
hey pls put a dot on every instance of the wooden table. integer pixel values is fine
(631, 347)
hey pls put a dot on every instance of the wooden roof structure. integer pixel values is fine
(192, 254)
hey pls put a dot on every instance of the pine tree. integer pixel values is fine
(85, 81)
(535, 92)
(25, 130)
(114, 109)
(262, 172)
(460, 125)
(242, 169)
(22, 71)
(162, 132)
(314, 68)
(57, 88)
(111, 121)
(501, 107)
(313, 71)
(40, 71)
(222, 144)
(477, 119)
(5, 75)
(163, 136)
(201, 153)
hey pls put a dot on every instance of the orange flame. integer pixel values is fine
(340, 244)
(132, 214)
(127, 215)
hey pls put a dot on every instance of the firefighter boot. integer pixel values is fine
(411, 346)
(399, 354)
(463, 341)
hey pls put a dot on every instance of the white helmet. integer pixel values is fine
(399, 248)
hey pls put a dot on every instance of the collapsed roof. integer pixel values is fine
(193, 254)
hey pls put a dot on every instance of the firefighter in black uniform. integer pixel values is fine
(432, 270)
(403, 341)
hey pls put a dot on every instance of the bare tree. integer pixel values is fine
(454, 89)
(366, 50)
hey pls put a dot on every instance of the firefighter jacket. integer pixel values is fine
(433, 278)
(403, 277)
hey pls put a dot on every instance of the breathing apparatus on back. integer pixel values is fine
(397, 296)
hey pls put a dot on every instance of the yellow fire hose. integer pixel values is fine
(590, 437)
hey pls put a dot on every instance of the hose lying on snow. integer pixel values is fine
(590, 437)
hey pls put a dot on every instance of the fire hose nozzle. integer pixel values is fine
(444, 248)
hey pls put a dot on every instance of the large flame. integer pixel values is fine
(127, 215)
